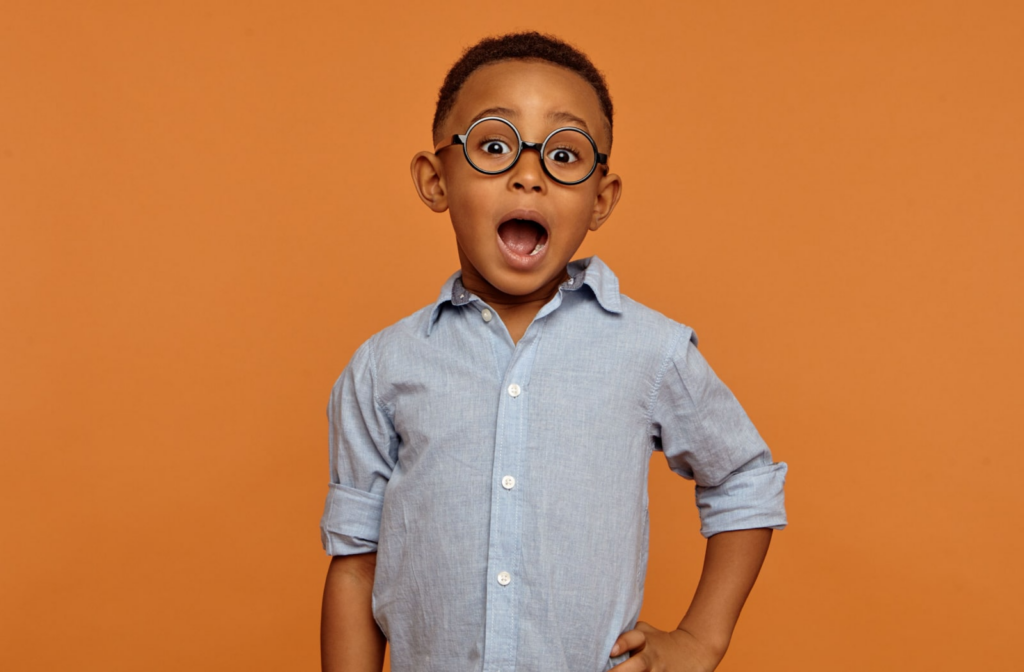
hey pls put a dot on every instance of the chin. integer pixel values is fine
(521, 284)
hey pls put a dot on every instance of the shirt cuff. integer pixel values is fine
(746, 500)
(351, 521)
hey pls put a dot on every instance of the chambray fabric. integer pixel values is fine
(541, 574)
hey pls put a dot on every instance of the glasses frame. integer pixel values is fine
(460, 139)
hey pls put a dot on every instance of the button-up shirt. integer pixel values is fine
(504, 486)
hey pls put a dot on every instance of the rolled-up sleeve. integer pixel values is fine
(363, 452)
(707, 437)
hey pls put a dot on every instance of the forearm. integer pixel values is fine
(350, 640)
(731, 564)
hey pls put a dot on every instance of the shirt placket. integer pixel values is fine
(507, 492)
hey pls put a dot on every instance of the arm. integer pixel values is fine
(731, 564)
(350, 640)
(363, 453)
(706, 436)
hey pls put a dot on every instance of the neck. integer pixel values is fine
(478, 284)
(516, 310)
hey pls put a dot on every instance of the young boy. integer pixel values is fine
(487, 508)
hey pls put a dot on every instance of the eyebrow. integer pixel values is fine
(493, 112)
(569, 117)
(559, 116)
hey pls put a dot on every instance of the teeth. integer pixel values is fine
(537, 249)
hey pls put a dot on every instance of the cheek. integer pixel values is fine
(575, 213)
(470, 197)
(470, 207)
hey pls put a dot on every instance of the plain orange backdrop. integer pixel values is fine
(205, 208)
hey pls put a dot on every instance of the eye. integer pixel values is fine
(495, 146)
(563, 155)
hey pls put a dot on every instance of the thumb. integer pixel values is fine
(632, 640)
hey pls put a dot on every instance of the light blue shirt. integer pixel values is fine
(504, 486)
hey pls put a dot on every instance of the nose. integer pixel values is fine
(528, 174)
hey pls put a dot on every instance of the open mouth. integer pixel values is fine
(523, 236)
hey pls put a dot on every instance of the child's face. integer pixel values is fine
(517, 230)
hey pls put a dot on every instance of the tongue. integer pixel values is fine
(520, 235)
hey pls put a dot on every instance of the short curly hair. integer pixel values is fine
(519, 46)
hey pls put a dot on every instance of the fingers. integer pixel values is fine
(634, 641)
(637, 663)
(631, 640)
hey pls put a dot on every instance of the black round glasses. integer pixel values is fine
(492, 145)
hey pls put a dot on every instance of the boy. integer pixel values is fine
(488, 500)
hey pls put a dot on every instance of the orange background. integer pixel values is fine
(205, 208)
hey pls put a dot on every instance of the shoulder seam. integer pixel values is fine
(381, 406)
(662, 369)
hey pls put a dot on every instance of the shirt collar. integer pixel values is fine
(590, 271)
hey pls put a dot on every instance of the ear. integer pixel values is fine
(609, 190)
(428, 178)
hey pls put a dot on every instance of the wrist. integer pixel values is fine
(715, 641)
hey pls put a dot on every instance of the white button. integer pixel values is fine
(504, 578)
(514, 390)
(486, 314)
(508, 482)
(572, 280)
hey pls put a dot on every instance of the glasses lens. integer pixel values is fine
(492, 146)
(569, 156)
